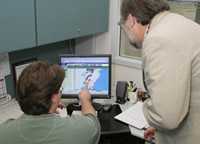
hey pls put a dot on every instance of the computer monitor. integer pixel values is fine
(91, 72)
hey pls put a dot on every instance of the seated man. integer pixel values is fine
(38, 94)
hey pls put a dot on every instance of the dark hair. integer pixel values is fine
(36, 85)
(143, 10)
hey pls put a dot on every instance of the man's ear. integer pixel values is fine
(131, 20)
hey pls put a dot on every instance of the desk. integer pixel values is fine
(134, 131)
(114, 131)
(109, 125)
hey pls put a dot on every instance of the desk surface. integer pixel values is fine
(109, 125)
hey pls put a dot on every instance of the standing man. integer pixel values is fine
(171, 59)
(38, 94)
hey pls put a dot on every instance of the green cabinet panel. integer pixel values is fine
(93, 16)
(102, 19)
(66, 19)
(17, 25)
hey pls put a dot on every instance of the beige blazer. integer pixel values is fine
(171, 54)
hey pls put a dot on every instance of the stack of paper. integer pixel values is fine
(134, 116)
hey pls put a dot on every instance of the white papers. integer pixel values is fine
(19, 69)
(134, 116)
(4, 65)
(4, 71)
(62, 112)
(3, 90)
(10, 110)
(136, 132)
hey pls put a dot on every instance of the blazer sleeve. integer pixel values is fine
(168, 71)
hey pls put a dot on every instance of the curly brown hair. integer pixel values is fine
(36, 85)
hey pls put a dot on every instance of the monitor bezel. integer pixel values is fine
(94, 96)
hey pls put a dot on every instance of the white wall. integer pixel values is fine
(121, 72)
(103, 44)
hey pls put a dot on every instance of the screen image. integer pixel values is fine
(91, 72)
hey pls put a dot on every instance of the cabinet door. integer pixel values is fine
(93, 16)
(56, 20)
(102, 15)
(17, 25)
(66, 19)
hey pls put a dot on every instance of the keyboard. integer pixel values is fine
(77, 107)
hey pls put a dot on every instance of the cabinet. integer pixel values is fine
(66, 19)
(30, 23)
(94, 16)
(17, 25)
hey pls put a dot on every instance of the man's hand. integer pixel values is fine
(149, 133)
(84, 96)
(86, 105)
(141, 95)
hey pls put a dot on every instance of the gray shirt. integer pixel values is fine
(51, 129)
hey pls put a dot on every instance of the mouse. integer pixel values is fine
(107, 108)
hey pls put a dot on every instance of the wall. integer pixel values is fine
(121, 72)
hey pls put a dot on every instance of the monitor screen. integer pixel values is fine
(91, 72)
